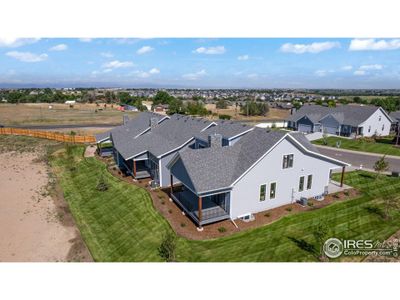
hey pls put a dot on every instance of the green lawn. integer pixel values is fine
(122, 225)
(383, 146)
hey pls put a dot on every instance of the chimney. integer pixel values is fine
(153, 123)
(125, 119)
(215, 140)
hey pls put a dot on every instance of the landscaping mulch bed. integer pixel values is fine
(185, 227)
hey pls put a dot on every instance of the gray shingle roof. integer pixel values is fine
(227, 129)
(345, 114)
(133, 127)
(167, 136)
(213, 169)
(395, 115)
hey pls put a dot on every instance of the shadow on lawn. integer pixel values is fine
(306, 246)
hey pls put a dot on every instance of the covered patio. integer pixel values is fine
(204, 209)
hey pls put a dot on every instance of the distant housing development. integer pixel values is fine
(344, 120)
(220, 170)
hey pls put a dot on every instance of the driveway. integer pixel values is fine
(357, 159)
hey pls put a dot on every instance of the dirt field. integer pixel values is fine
(35, 222)
(41, 114)
(273, 114)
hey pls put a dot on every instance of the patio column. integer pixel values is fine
(134, 168)
(342, 177)
(172, 184)
(200, 210)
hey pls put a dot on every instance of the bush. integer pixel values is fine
(167, 247)
(102, 185)
(222, 229)
(336, 195)
(289, 209)
(183, 225)
(224, 117)
(170, 211)
(310, 204)
(267, 215)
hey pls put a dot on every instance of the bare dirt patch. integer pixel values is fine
(273, 114)
(35, 222)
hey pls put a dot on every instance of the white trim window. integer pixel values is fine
(287, 161)
(309, 182)
(263, 192)
(301, 184)
(272, 190)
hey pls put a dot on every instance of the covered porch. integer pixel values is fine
(204, 209)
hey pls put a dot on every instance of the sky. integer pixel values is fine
(201, 63)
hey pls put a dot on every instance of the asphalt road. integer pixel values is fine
(360, 159)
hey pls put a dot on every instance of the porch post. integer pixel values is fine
(200, 210)
(342, 177)
(134, 168)
(172, 184)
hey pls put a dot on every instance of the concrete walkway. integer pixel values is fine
(358, 152)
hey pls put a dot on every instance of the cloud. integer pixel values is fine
(309, 48)
(243, 57)
(116, 64)
(371, 67)
(27, 56)
(210, 50)
(60, 47)
(252, 76)
(143, 74)
(320, 73)
(16, 42)
(194, 76)
(85, 40)
(374, 45)
(360, 72)
(107, 54)
(154, 71)
(144, 50)
(347, 68)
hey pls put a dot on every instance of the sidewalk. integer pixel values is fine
(358, 152)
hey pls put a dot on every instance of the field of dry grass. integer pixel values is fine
(42, 114)
(273, 114)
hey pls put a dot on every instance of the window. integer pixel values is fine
(272, 190)
(380, 118)
(383, 127)
(287, 161)
(301, 184)
(309, 182)
(369, 128)
(263, 190)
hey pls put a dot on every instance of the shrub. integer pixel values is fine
(224, 117)
(183, 224)
(167, 247)
(162, 202)
(221, 229)
(102, 185)
(310, 204)
(346, 193)
(289, 209)
(267, 215)
(336, 195)
(170, 211)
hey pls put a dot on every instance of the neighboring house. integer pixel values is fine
(273, 124)
(396, 125)
(344, 120)
(259, 171)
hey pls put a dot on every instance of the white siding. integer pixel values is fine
(376, 125)
(245, 193)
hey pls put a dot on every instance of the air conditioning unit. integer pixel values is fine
(395, 174)
(247, 217)
(319, 197)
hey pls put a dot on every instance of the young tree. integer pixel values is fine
(167, 247)
(320, 233)
(391, 203)
(221, 104)
(381, 165)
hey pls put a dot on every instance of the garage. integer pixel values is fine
(330, 130)
(304, 128)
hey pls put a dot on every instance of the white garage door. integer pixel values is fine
(304, 128)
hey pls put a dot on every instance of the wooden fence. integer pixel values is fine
(49, 135)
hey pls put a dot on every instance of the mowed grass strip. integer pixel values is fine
(122, 225)
(382, 146)
(119, 224)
